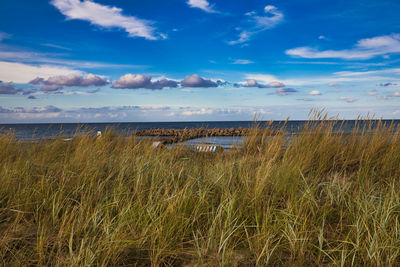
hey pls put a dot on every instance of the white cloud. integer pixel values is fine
(333, 80)
(315, 92)
(55, 83)
(136, 81)
(244, 36)
(106, 16)
(396, 94)
(57, 46)
(23, 73)
(276, 84)
(348, 99)
(382, 97)
(4, 35)
(254, 83)
(196, 81)
(250, 13)
(203, 5)
(50, 58)
(365, 73)
(265, 78)
(333, 84)
(270, 19)
(9, 89)
(202, 111)
(364, 49)
(285, 91)
(242, 62)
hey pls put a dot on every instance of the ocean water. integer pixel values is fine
(68, 130)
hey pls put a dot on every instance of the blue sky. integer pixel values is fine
(185, 60)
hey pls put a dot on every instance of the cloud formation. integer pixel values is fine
(23, 73)
(270, 19)
(396, 94)
(196, 81)
(57, 82)
(136, 81)
(11, 89)
(203, 5)
(387, 84)
(285, 91)
(315, 92)
(348, 99)
(35, 110)
(4, 35)
(242, 62)
(333, 85)
(335, 79)
(8, 89)
(254, 83)
(364, 49)
(29, 57)
(307, 99)
(202, 111)
(106, 16)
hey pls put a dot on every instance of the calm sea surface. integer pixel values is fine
(67, 130)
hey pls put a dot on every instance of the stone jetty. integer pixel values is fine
(168, 136)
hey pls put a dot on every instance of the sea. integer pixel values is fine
(31, 132)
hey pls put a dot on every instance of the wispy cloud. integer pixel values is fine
(396, 94)
(4, 35)
(23, 73)
(364, 49)
(57, 46)
(106, 16)
(348, 99)
(272, 17)
(307, 99)
(203, 5)
(387, 84)
(332, 80)
(368, 73)
(53, 58)
(333, 85)
(32, 110)
(202, 111)
(125, 113)
(242, 62)
(285, 91)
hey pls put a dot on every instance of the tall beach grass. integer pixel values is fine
(320, 197)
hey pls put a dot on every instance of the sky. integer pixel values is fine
(197, 60)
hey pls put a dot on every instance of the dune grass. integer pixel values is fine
(320, 197)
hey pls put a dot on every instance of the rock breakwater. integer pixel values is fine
(168, 136)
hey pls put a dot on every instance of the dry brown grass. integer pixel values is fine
(321, 198)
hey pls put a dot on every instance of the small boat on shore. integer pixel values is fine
(209, 148)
